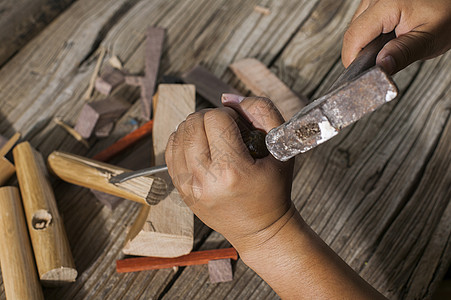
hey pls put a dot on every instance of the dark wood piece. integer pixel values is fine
(193, 258)
(220, 270)
(208, 85)
(96, 115)
(109, 80)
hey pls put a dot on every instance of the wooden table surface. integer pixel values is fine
(378, 194)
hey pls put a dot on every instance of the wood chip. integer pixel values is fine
(109, 80)
(261, 9)
(220, 270)
(71, 131)
(115, 62)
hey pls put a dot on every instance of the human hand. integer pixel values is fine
(227, 188)
(422, 28)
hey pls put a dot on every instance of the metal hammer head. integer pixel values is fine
(326, 116)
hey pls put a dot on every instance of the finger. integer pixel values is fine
(195, 143)
(377, 19)
(169, 158)
(261, 112)
(405, 49)
(224, 138)
(179, 166)
(362, 7)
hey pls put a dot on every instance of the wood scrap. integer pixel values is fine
(166, 230)
(19, 275)
(220, 270)
(208, 85)
(109, 80)
(261, 9)
(71, 131)
(3, 141)
(153, 50)
(95, 73)
(262, 82)
(99, 116)
(48, 236)
(193, 258)
(125, 142)
(115, 62)
(7, 169)
(95, 175)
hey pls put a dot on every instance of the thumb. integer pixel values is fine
(261, 112)
(404, 50)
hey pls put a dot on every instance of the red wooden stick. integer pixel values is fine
(193, 258)
(125, 142)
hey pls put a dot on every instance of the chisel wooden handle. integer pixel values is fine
(364, 60)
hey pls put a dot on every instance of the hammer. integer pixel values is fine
(360, 89)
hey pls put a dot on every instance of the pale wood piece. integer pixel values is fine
(72, 132)
(95, 175)
(48, 236)
(7, 169)
(110, 79)
(262, 82)
(115, 62)
(166, 229)
(16, 256)
(261, 9)
(95, 73)
(220, 270)
(208, 85)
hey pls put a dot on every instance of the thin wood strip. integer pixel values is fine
(7, 170)
(95, 73)
(9, 144)
(193, 258)
(72, 132)
(18, 267)
(125, 142)
(48, 235)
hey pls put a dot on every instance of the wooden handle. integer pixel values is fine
(18, 267)
(364, 60)
(95, 175)
(48, 236)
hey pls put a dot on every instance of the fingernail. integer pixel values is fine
(231, 98)
(388, 64)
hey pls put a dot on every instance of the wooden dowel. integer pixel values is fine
(48, 236)
(125, 142)
(95, 175)
(9, 144)
(7, 169)
(16, 257)
(154, 263)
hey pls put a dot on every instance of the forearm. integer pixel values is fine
(296, 263)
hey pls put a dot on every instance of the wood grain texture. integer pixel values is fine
(300, 42)
(22, 20)
(48, 236)
(191, 259)
(262, 82)
(165, 229)
(93, 174)
(16, 256)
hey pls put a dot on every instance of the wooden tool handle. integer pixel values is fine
(364, 60)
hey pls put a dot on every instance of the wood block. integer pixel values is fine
(20, 278)
(262, 82)
(220, 270)
(7, 169)
(104, 130)
(96, 115)
(208, 85)
(48, 236)
(154, 48)
(92, 174)
(166, 229)
(109, 80)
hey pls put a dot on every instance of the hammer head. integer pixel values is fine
(326, 116)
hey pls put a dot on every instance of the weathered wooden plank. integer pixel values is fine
(21, 20)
